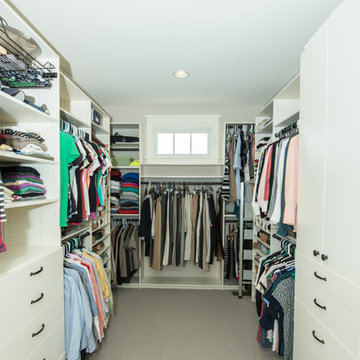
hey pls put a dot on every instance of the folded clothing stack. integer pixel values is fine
(117, 138)
(129, 197)
(25, 143)
(115, 188)
(24, 182)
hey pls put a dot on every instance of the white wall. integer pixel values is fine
(229, 113)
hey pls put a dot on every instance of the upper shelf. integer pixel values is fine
(13, 110)
(72, 119)
(99, 129)
(125, 145)
(265, 129)
(70, 91)
(11, 157)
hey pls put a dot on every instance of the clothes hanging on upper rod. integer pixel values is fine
(179, 226)
(275, 195)
(239, 157)
(84, 168)
(275, 293)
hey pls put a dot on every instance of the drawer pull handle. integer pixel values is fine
(37, 333)
(324, 257)
(37, 272)
(316, 253)
(319, 340)
(319, 277)
(320, 306)
(38, 299)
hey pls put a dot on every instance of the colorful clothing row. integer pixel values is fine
(276, 195)
(88, 302)
(84, 173)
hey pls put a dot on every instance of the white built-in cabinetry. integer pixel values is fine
(327, 293)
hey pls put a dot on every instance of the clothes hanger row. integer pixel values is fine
(74, 243)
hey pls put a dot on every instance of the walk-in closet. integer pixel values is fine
(179, 180)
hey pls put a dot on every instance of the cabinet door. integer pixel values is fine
(342, 190)
(313, 95)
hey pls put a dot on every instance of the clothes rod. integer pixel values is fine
(181, 183)
(278, 237)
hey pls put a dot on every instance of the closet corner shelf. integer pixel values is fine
(125, 146)
(11, 157)
(100, 240)
(21, 204)
(126, 167)
(73, 120)
(13, 110)
(75, 233)
(289, 120)
(125, 215)
(105, 249)
(260, 241)
(101, 227)
(264, 129)
(99, 129)
(259, 252)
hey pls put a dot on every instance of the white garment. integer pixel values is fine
(208, 232)
(188, 228)
(275, 217)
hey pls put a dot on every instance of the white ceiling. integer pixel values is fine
(124, 52)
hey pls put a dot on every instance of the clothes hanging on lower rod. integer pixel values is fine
(275, 195)
(275, 293)
(125, 245)
(231, 257)
(180, 226)
(87, 300)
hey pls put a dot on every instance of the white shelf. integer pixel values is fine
(260, 252)
(267, 129)
(101, 226)
(181, 282)
(100, 240)
(20, 204)
(125, 145)
(126, 167)
(72, 119)
(289, 120)
(105, 249)
(70, 90)
(99, 129)
(13, 110)
(20, 255)
(179, 164)
(11, 157)
(126, 215)
(75, 233)
(260, 241)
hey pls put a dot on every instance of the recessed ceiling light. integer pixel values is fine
(181, 74)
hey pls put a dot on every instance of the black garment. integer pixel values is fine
(145, 224)
(273, 157)
(171, 227)
(201, 238)
(163, 224)
(20, 170)
(178, 228)
(219, 251)
(212, 215)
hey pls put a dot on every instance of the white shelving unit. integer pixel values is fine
(31, 233)
(284, 109)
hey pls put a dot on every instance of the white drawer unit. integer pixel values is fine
(29, 303)
(20, 277)
(322, 291)
(51, 348)
(34, 332)
(315, 339)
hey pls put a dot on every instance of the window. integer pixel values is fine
(182, 143)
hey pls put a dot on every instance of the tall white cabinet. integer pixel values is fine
(327, 311)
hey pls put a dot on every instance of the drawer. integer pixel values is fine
(344, 326)
(45, 290)
(52, 347)
(344, 291)
(21, 344)
(16, 281)
(307, 326)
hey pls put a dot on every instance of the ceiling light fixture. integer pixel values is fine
(181, 74)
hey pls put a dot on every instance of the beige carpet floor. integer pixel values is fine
(157, 324)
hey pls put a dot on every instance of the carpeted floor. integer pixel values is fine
(181, 324)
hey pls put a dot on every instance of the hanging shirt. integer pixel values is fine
(237, 167)
(68, 153)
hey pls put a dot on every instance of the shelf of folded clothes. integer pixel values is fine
(22, 185)
(7, 156)
(13, 110)
(18, 145)
(129, 194)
